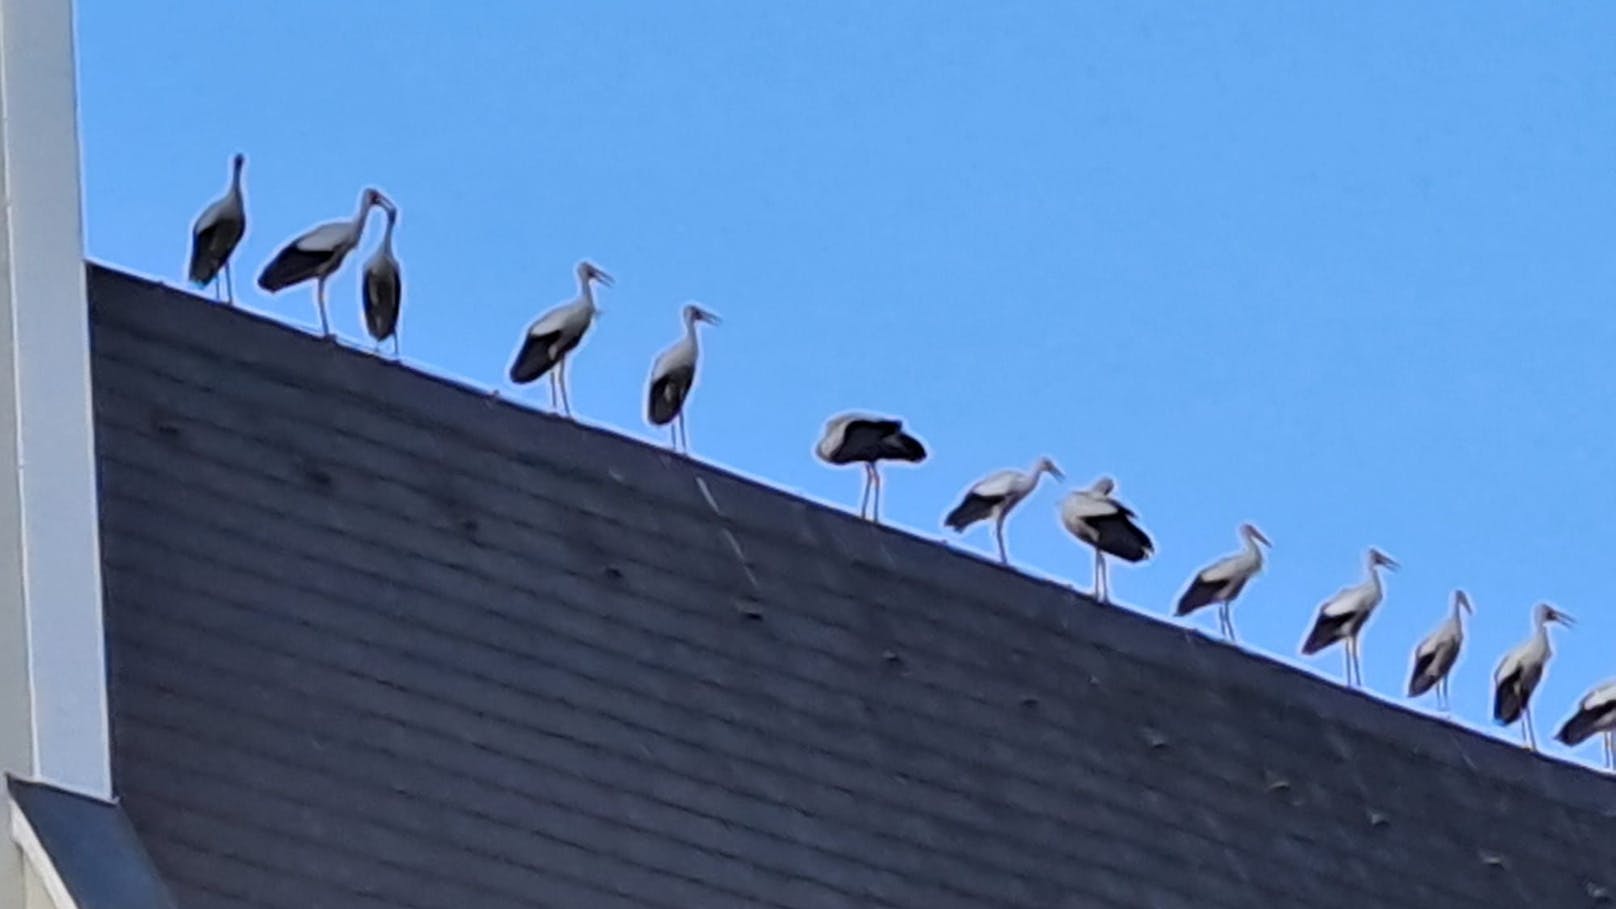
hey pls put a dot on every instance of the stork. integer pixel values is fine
(216, 233)
(868, 439)
(995, 495)
(1596, 713)
(1099, 520)
(318, 252)
(1223, 580)
(672, 376)
(556, 334)
(383, 289)
(1343, 616)
(1435, 656)
(1520, 671)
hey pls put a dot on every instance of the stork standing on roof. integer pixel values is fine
(1342, 617)
(862, 438)
(216, 233)
(1435, 656)
(382, 289)
(672, 376)
(554, 335)
(1096, 518)
(1520, 671)
(995, 495)
(1596, 714)
(318, 252)
(1223, 580)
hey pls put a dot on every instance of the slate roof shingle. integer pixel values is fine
(376, 640)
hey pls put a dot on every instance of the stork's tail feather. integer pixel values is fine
(533, 360)
(1576, 730)
(905, 447)
(1120, 537)
(971, 509)
(1200, 593)
(1508, 703)
(290, 266)
(1326, 631)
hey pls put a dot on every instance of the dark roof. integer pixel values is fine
(377, 640)
(93, 848)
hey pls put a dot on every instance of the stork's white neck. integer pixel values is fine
(387, 236)
(586, 292)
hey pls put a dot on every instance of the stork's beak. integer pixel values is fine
(708, 317)
(1258, 535)
(1561, 617)
(1387, 560)
(1056, 472)
(604, 278)
(1464, 602)
(384, 202)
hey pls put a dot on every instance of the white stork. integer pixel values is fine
(1435, 656)
(995, 495)
(1342, 617)
(216, 233)
(1223, 580)
(318, 252)
(1596, 714)
(672, 376)
(1099, 520)
(868, 439)
(383, 289)
(556, 334)
(1520, 671)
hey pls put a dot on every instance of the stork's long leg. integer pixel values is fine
(555, 392)
(319, 298)
(229, 284)
(1228, 622)
(684, 432)
(875, 501)
(566, 397)
(1099, 574)
(1610, 750)
(1526, 724)
(864, 498)
(396, 354)
(998, 531)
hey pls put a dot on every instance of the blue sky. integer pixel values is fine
(1347, 271)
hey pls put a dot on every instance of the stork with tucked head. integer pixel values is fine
(216, 233)
(1596, 714)
(556, 334)
(672, 376)
(995, 495)
(862, 438)
(1435, 656)
(1096, 518)
(1343, 616)
(1520, 671)
(318, 252)
(382, 289)
(1223, 580)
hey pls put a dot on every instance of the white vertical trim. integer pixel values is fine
(42, 264)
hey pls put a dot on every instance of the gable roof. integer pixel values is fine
(85, 850)
(379, 640)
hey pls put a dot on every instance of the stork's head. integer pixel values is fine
(1376, 557)
(1104, 486)
(238, 162)
(1461, 600)
(374, 196)
(694, 313)
(1546, 613)
(1046, 464)
(1250, 532)
(589, 271)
